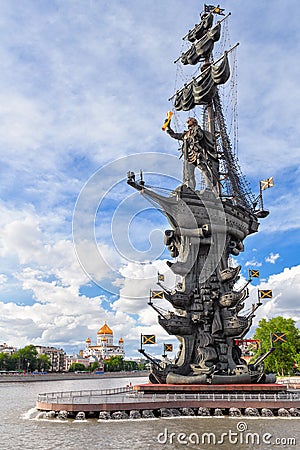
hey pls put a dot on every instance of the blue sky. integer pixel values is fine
(84, 89)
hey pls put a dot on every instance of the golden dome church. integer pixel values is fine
(105, 347)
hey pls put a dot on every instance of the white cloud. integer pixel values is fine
(253, 263)
(138, 280)
(272, 258)
(3, 278)
(286, 291)
(22, 238)
(82, 85)
(52, 276)
(281, 218)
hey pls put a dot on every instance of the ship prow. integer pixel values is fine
(197, 212)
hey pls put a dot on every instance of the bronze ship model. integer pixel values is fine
(207, 227)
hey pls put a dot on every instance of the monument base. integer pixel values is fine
(171, 400)
(209, 388)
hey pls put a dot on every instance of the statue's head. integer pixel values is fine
(191, 122)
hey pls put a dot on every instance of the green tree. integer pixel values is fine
(94, 366)
(43, 362)
(77, 367)
(27, 358)
(13, 362)
(3, 361)
(114, 364)
(143, 365)
(117, 364)
(282, 360)
(130, 365)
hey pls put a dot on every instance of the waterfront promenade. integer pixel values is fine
(156, 397)
(31, 377)
(273, 396)
(291, 382)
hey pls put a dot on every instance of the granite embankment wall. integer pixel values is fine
(28, 377)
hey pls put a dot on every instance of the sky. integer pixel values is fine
(84, 89)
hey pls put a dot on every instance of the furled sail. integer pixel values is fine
(202, 28)
(202, 90)
(221, 73)
(202, 48)
(185, 99)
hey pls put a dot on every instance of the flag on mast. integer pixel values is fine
(148, 339)
(157, 294)
(214, 9)
(265, 293)
(279, 337)
(168, 347)
(253, 273)
(267, 183)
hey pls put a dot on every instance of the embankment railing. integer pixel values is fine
(128, 395)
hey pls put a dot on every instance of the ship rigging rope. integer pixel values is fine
(224, 41)
(158, 188)
(159, 308)
(240, 187)
(234, 102)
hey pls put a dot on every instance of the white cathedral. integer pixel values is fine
(105, 347)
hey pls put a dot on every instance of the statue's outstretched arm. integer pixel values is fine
(178, 136)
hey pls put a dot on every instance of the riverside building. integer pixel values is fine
(56, 357)
(104, 347)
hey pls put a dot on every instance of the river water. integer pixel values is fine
(20, 429)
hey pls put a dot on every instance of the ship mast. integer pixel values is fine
(202, 90)
(211, 122)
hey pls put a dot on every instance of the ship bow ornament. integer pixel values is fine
(206, 228)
